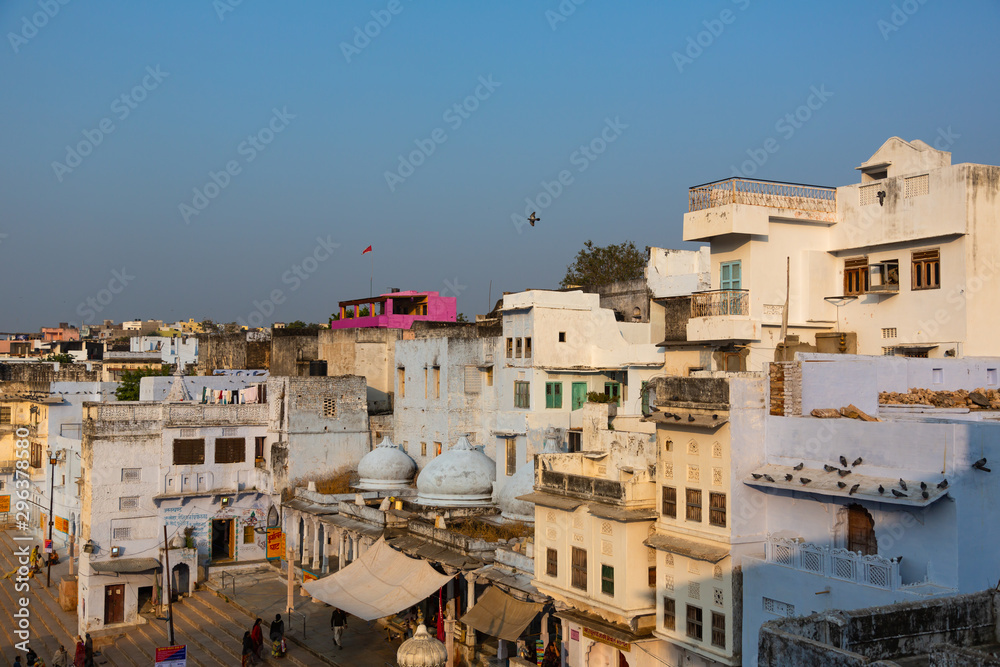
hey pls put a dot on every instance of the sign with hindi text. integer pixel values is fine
(275, 543)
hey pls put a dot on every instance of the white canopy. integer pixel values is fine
(380, 583)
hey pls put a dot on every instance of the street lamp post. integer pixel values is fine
(52, 481)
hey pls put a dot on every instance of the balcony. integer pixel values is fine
(744, 206)
(721, 315)
(841, 564)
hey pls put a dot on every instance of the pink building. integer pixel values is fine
(63, 332)
(396, 310)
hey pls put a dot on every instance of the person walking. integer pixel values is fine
(277, 636)
(61, 657)
(88, 651)
(257, 637)
(81, 652)
(246, 657)
(338, 621)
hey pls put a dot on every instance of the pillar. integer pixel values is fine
(341, 549)
(545, 630)
(290, 555)
(502, 651)
(316, 555)
(564, 654)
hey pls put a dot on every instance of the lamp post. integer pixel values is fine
(53, 458)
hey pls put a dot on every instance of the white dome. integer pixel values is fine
(521, 483)
(385, 467)
(462, 476)
(422, 650)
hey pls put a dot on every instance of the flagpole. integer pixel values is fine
(371, 280)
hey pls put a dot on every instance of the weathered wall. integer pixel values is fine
(23, 378)
(291, 352)
(367, 352)
(232, 351)
(676, 313)
(691, 390)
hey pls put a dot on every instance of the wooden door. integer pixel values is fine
(114, 604)
(579, 394)
(861, 531)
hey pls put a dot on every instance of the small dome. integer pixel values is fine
(520, 484)
(385, 467)
(462, 476)
(422, 650)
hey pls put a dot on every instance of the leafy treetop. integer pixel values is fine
(598, 265)
(128, 389)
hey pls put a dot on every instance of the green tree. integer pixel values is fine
(62, 358)
(598, 265)
(461, 318)
(297, 324)
(209, 326)
(128, 388)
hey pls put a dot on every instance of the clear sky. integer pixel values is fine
(317, 124)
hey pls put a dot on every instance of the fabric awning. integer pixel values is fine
(499, 615)
(125, 565)
(380, 583)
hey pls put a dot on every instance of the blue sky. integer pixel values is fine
(310, 117)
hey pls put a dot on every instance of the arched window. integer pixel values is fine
(861, 531)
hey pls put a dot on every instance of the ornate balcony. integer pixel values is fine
(841, 564)
(720, 302)
(794, 196)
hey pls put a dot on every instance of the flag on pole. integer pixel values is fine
(368, 249)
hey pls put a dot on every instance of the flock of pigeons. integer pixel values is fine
(844, 471)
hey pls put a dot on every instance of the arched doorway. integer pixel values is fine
(180, 581)
(861, 531)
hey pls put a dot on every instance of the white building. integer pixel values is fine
(859, 539)
(901, 262)
(170, 348)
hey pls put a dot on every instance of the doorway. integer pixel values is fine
(579, 395)
(145, 600)
(223, 539)
(180, 581)
(114, 604)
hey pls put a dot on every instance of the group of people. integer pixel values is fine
(83, 657)
(253, 641)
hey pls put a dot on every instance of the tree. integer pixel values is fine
(61, 358)
(128, 389)
(598, 265)
(230, 328)
(461, 318)
(208, 326)
(297, 324)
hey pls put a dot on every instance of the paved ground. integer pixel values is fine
(211, 626)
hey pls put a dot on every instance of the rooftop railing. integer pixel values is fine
(795, 196)
(834, 563)
(720, 302)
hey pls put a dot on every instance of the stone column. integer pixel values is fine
(316, 555)
(341, 549)
(545, 630)
(564, 654)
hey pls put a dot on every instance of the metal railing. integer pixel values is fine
(794, 196)
(839, 564)
(720, 302)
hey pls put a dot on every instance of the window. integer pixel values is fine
(861, 531)
(669, 502)
(230, 450)
(694, 505)
(427, 384)
(527, 348)
(437, 382)
(562, 336)
(118, 534)
(730, 275)
(552, 562)
(614, 390)
(401, 381)
(718, 630)
(329, 408)
(651, 576)
(553, 394)
(717, 509)
(437, 448)
(518, 347)
(128, 503)
(856, 275)
(5, 414)
(36, 455)
(694, 622)
(510, 348)
(926, 269)
(521, 394)
(579, 569)
(189, 451)
(884, 276)
(248, 535)
(575, 441)
(423, 449)
(131, 474)
(607, 580)
(489, 376)
(645, 392)
(472, 381)
(258, 447)
(511, 456)
(669, 614)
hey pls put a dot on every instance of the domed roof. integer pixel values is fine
(421, 650)
(386, 467)
(462, 476)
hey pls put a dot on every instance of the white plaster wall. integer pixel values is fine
(678, 272)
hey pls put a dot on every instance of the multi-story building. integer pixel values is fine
(900, 263)
(170, 348)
